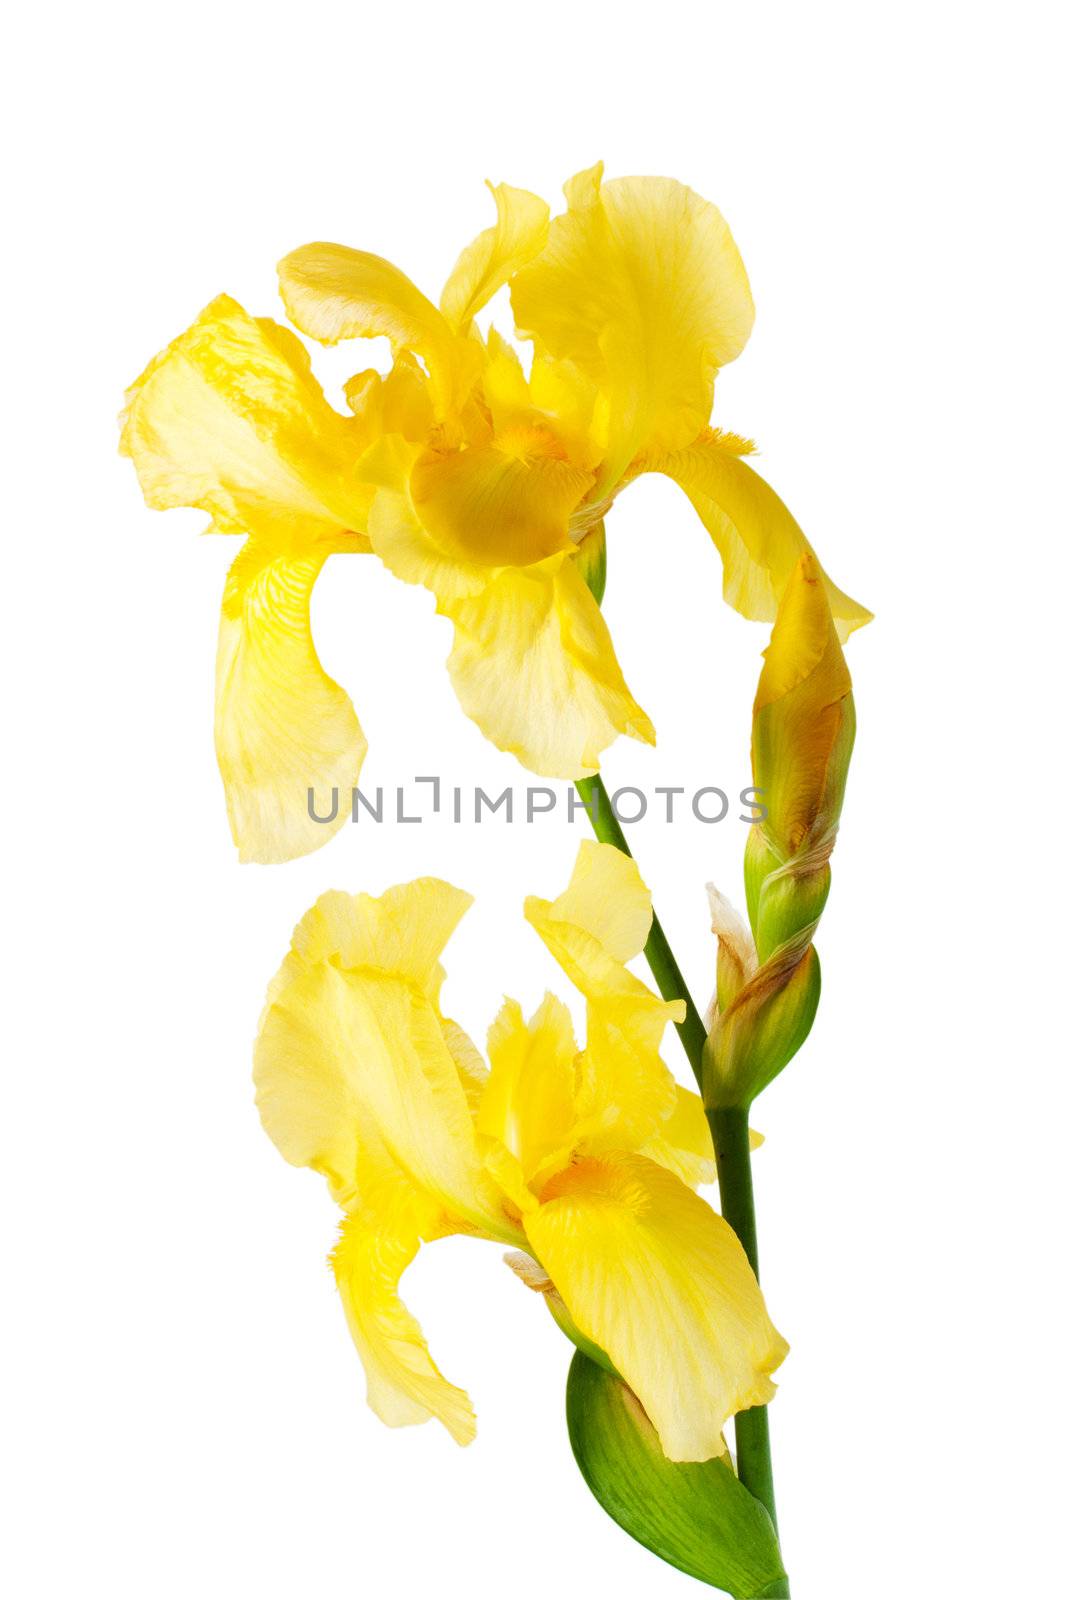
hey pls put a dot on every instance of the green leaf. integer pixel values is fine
(696, 1515)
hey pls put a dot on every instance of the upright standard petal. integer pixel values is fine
(657, 1279)
(528, 1107)
(518, 235)
(608, 899)
(626, 1094)
(379, 1239)
(332, 292)
(642, 287)
(755, 534)
(286, 735)
(533, 665)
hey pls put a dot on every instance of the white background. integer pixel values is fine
(185, 1414)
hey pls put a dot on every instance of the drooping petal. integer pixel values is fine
(528, 1104)
(656, 1278)
(379, 1239)
(359, 1054)
(283, 727)
(755, 534)
(230, 419)
(332, 293)
(517, 236)
(642, 287)
(308, 1101)
(533, 665)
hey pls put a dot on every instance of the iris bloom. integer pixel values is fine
(587, 1160)
(464, 471)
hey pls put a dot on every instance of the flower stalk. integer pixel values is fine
(733, 1162)
(730, 1135)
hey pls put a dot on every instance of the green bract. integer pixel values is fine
(695, 1515)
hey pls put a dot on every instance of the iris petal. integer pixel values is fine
(379, 1239)
(756, 535)
(507, 503)
(533, 665)
(657, 1279)
(528, 1105)
(642, 287)
(352, 1047)
(332, 292)
(626, 1093)
(519, 234)
(229, 419)
(283, 727)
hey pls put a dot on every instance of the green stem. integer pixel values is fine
(729, 1132)
(733, 1163)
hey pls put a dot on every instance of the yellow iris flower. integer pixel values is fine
(486, 482)
(586, 1159)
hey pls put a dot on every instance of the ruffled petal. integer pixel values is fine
(517, 236)
(230, 419)
(349, 1055)
(401, 933)
(379, 1239)
(642, 287)
(756, 535)
(284, 729)
(533, 665)
(657, 1279)
(332, 293)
